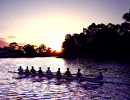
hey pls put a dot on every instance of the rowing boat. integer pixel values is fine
(70, 78)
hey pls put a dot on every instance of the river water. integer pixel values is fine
(15, 87)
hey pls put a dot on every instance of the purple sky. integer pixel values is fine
(48, 21)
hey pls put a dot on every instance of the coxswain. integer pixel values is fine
(27, 70)
(49, 71)
(100, 77)
(32, 70)
(79, 73)
(20, 69)
(67, 73)
(58, 72)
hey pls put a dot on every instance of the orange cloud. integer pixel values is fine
(3, 42)
(11, 36)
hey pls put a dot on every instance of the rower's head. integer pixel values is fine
(100, 73)
(27, 67)
(68, 69)
(32, 67)
(48, 68)
(20, 66)
(40, 68)
(78, 70)
(59, 69)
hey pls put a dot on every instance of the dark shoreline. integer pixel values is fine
(95, 59)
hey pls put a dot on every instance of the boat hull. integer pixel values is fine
(70, 78)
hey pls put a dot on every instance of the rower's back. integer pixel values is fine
(48, 71)
(58, 72)
(79, 73)
(27, 70)
(100, 77)
(32, 70)
(40, 71)
(68, 73)
(20, 69)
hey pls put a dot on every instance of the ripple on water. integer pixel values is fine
(35, 88)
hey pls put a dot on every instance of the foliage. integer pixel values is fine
(13, 45)
(96, 41)
(126, 17)
(99, 41)
(29, 50)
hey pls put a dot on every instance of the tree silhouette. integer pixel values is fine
(99, 41)
(96, 41)
(126, 16)
(49, 50)
(29, 50)
(13, 45)
(41, 49)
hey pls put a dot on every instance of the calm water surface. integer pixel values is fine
(14, 87)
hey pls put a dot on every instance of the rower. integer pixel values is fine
(67, 73)
(40, 71)
(100, 77)
(27, 70)
(33, 70)
(58, 72)
(79, 73)
(20, 69)
(49, 71)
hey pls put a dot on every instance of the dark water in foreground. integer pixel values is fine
(12, 87)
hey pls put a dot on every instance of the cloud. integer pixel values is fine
(11, 36)
(2, 39)
(3, 42)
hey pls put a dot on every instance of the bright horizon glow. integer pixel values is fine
(48, 21)
(53, 28)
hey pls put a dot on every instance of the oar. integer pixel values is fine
(12, 72)
(89, 80)
(78, 81)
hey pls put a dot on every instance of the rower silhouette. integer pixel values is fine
(68, 73)
(33, 70)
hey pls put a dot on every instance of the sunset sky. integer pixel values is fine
(48, 21)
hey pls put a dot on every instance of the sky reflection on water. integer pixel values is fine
(14, 87)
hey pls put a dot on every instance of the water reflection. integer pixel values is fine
(13, 86)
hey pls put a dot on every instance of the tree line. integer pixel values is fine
(13, 50)
(100, 41)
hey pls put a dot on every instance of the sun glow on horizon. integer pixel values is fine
(56, 46)
(44, 22)
(49, 31)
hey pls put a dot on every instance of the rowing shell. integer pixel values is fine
(71, 78)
